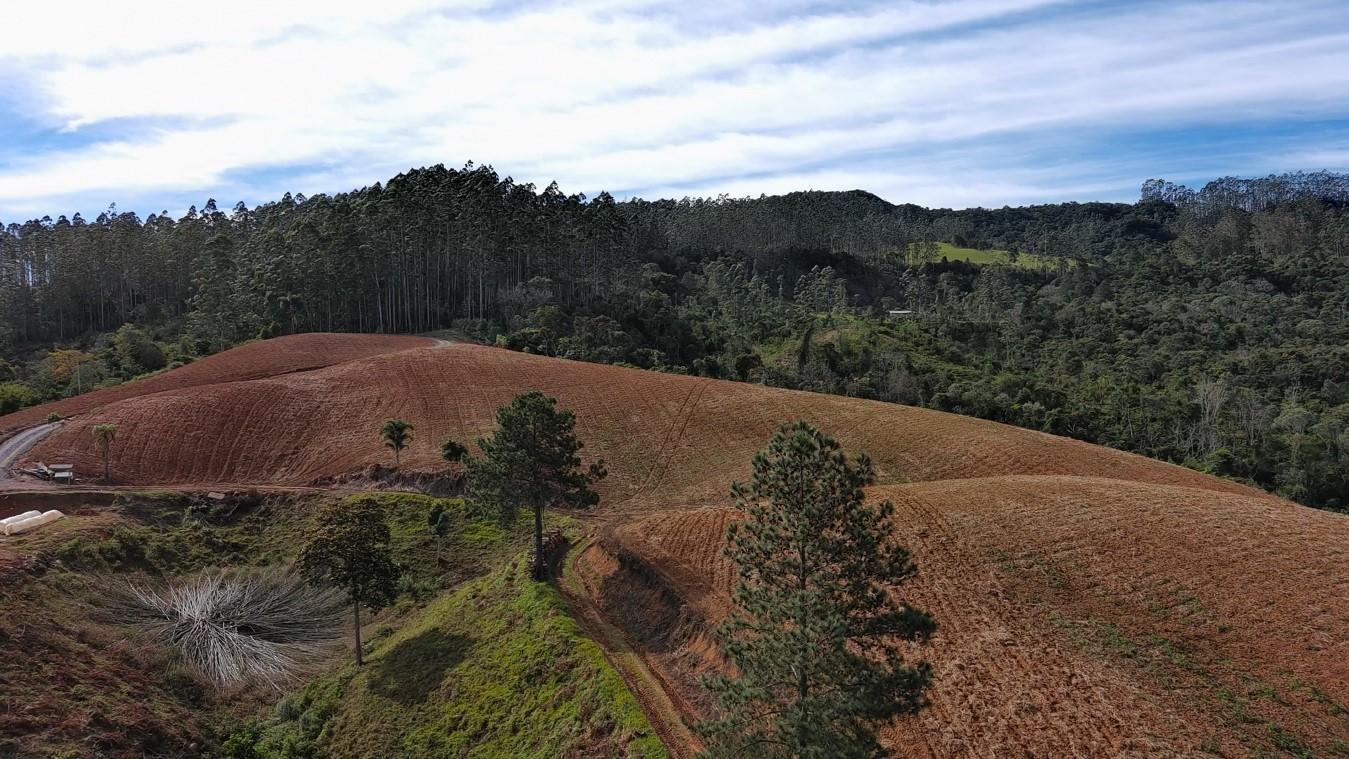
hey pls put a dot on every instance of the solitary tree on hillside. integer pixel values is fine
(350, 549)
(104, 435)
(396, 433)
(816, 634)
(439, 522)
(531, 462)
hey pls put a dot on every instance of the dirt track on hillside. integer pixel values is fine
(17, 444)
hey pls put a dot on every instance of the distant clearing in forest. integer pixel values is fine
(991, 257)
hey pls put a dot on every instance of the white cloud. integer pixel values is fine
(644, 96)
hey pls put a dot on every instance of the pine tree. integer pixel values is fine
(817, 637)
(532, 461)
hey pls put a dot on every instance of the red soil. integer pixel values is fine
(251, 361)
(1096, 617)
(668, 439)
(1091, 602)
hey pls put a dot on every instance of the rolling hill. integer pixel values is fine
(1091, 602)
(267, 358)
(1079, 616)
(670, 440)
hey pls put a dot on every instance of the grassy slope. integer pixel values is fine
(121, 697)
(495, 669)
(979, 256)
(127, 698)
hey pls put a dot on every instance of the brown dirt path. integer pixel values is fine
(658, 701)
(17, 444)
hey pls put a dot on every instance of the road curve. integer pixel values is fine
(19, 443)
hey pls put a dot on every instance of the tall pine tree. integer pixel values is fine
(817, 637)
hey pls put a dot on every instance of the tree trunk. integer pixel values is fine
(356, 614)
(540, 564)
(802, 683)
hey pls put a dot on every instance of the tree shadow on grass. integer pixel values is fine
(413, 669)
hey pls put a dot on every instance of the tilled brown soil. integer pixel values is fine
(265, 358)
(668, 439)
(1091, 602)
(1095, 617)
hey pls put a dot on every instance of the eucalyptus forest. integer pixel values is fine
(1206, 327)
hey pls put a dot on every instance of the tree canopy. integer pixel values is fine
(104, 436)
(1107, 322)
(532, 460)
(397, 434)
(817, 637)
(350, 549)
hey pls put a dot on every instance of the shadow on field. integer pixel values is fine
(413, 669)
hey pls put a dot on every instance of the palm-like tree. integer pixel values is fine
(396, 433)
(453, 450)
(104, 435)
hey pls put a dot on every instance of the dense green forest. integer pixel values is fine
(1208, 327)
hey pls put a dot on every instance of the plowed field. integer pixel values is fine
(251, 361)
(1091, 602)
(1096, 617)
(668, 439)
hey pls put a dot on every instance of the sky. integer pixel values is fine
(947, 104)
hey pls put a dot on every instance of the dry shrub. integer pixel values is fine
(234, 627)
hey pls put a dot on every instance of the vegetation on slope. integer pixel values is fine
(495, 669)
(134, 697)
(823, 659)
(982, 256)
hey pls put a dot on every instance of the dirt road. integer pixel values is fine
(19, 443)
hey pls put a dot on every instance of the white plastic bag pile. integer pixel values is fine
(29, 520)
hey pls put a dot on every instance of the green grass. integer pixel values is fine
(855, 335)
(473, 660)
(991, 257)
(1287, 743)
(165, 533)
(172, 534)
(471, 654)
(495, 669)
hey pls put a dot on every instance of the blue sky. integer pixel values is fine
(962, 103)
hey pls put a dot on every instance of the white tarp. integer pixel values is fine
(20, 517)
(31, 523)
